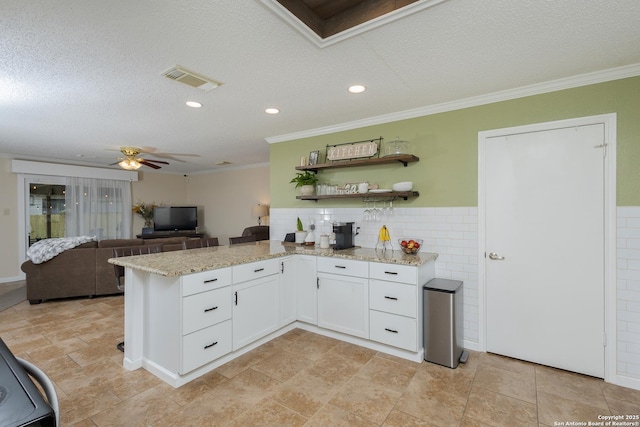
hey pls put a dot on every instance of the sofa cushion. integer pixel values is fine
(119, 243)
(93, 244)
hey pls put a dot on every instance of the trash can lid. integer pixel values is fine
(443, 285)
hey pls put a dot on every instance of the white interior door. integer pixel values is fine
(544, 222)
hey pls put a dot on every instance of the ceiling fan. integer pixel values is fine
(133, 161)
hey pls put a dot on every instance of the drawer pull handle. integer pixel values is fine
(210, 345)
(390, 330)
(339, 266)
(211, 280)
(258, 270)
(395, 273)
(236, 298)
(210, 309)
(391, 298)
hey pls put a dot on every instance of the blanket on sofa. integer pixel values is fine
(44, 250)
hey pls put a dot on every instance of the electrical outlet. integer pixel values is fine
(6, 211)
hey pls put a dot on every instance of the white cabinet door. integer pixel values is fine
(255, 309)
(343, 304)
(287, 290)
(306, 282)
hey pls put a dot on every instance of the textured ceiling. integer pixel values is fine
(78, 78)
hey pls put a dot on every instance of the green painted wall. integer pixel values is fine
(447, 145)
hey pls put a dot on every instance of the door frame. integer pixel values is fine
(610, 214)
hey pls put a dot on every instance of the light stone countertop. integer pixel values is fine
(179, 263)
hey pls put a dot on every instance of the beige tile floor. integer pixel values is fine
(297, 379)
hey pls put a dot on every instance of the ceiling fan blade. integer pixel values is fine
(156, 161)
(171, 156)
(146, 163)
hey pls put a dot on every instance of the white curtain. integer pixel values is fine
(98, 207)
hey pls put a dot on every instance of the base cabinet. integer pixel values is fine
(306, 285)
(191, 321)
(203, 346)
(255, 309)
(343, 304)
(288, 290)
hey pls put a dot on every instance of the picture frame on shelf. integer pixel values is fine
(314, 157)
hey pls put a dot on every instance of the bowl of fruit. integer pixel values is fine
(410, 246)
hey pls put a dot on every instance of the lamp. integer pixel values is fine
(130, 164)
(260, 211)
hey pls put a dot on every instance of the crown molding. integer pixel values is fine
(505, 95)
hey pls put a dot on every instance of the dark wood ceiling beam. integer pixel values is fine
(304, 14)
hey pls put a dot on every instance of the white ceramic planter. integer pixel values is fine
(300, 236)
(307, 190)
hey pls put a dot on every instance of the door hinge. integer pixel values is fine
(604, 339)
(317, 283)
(281, 267)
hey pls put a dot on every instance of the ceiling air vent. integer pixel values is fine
(182, 75)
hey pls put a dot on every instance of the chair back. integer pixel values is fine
(260, 231)
(131, 251)
(200, 243)
(243, 239)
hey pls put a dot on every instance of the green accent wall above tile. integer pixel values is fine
(447, 145)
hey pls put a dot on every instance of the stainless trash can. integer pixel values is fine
(442, 319)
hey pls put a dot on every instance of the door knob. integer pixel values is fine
(495, 256)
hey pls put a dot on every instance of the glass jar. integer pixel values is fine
(395, 147)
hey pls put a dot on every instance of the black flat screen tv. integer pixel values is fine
(175, 218)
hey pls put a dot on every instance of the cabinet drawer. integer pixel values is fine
(393, 272)
(205, 309)
(394, 330)
(205, 345)
(395, 298)
(345, 267)
(205, 281)
(255, 270)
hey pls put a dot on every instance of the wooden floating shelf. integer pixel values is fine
(390, 195)
(402, 158)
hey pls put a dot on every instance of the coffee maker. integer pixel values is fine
(344, 235)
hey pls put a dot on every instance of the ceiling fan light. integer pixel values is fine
(130, 164)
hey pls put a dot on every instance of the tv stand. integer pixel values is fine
(165, 234)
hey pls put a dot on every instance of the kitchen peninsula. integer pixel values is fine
(188, 312)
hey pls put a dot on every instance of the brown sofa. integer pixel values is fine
(83, 270)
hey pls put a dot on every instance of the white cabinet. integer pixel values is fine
(306, 284)
(288, 291)
(206, 318)
(206, 345)
(343, 299)
(395, 305)
(256, 302)
(205, 309)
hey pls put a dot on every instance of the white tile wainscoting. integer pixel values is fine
(453, 233)
(628, 291)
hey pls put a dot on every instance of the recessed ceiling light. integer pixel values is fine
(357, 89)
(272, 111)
(193, 104)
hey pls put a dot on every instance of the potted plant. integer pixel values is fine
(145, 211)
(301, 234)
(306, 181)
